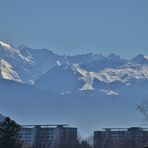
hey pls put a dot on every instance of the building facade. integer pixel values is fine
(133, 137)
(48, 136)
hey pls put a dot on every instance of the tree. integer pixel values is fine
(90, 140)
(84, 143)
(9, 134)
(143, 108)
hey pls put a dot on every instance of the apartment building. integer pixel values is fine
(133, 137)
(48, 136)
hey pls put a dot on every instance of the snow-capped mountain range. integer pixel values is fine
(47, 70)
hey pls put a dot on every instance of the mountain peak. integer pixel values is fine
(8, 48)
(139, 55)
(140, 59)
(5, 45)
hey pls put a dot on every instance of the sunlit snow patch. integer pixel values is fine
(109, 92)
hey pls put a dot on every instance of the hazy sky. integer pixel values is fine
(77, 26)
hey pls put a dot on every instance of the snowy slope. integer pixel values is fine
(124, 74)
(9, 52)
(7, 71)
(16, 61)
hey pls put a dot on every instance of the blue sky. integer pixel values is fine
(77, 26)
